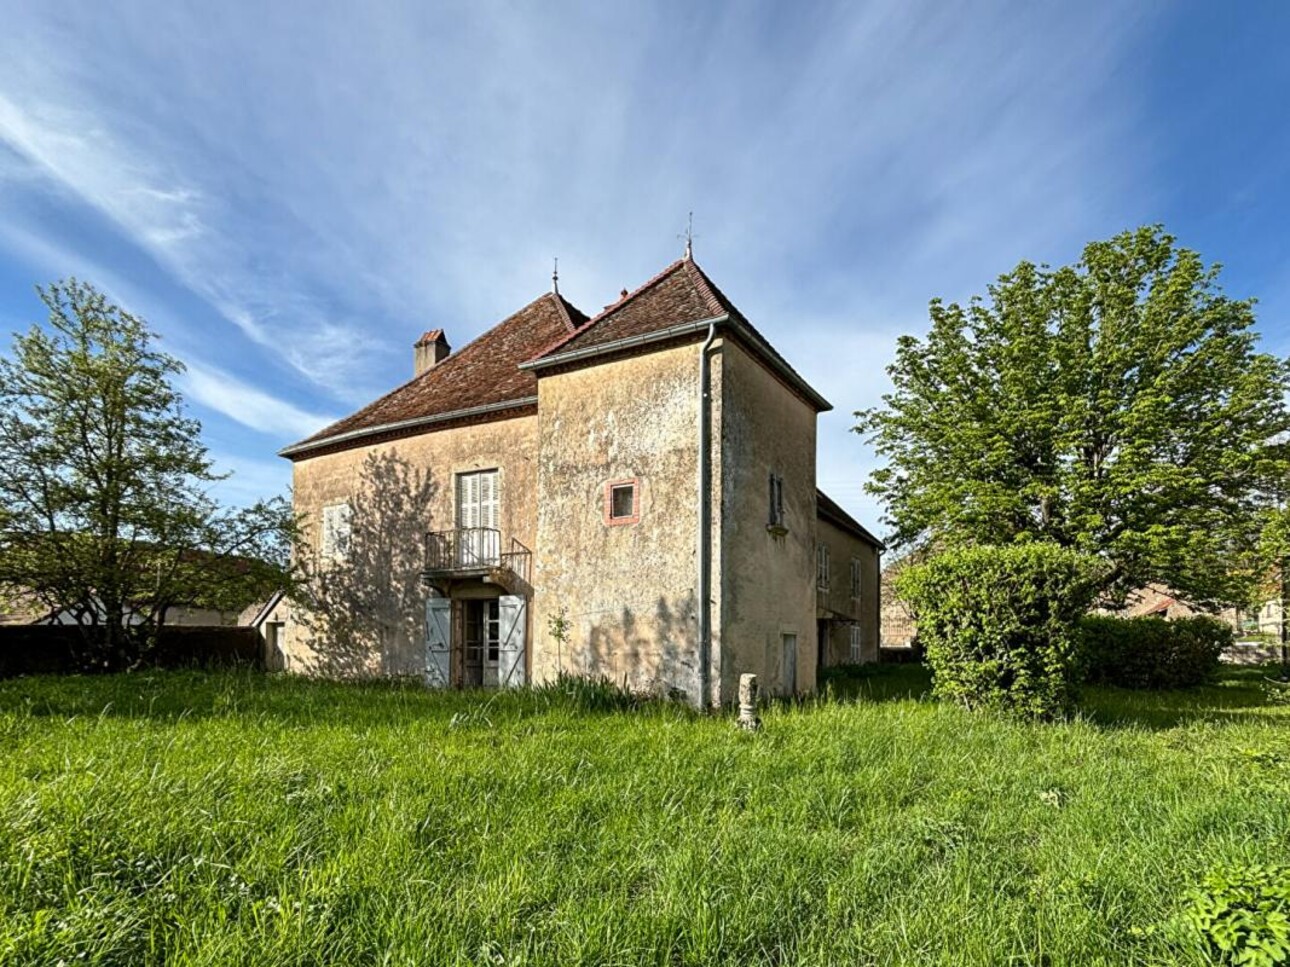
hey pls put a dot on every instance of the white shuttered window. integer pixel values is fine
(335, 530)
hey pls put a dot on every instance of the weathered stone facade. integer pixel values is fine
(628, 590)
(766, 595)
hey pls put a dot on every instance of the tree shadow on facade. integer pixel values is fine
(363, 601)
(655, 653)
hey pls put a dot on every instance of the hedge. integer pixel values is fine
(1150, 652)
(1000, 624)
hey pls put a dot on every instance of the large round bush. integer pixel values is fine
(1000, 623)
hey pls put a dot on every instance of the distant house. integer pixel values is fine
(648, 474)
(1156, 600)
(898, 628)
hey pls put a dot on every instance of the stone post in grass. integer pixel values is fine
(748, 719)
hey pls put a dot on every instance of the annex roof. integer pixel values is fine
(481, 377)
(828, 509)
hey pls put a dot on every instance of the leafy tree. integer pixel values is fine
(364, 605)
(104, 484)
(1116, 406)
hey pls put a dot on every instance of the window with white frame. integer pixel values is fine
(335, 530)
(855, 577)
(855, 644)
(822, 566)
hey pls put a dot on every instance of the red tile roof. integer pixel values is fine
(682, 293)
(483, 373)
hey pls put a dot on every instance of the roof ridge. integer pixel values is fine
(564, 305)
(706, 288)
(614, 307)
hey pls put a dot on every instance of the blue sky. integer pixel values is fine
(291, 193)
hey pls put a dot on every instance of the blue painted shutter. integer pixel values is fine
(512, 610)
(438, 641)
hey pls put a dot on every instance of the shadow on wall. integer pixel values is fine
(363, 606)
(654, 652)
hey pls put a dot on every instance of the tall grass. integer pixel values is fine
(236, 818)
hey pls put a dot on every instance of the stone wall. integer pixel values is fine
(767, 578)
(898, 628)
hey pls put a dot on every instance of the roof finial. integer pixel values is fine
(555, 277)
(689, 238)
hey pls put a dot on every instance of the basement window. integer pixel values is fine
(622, 502)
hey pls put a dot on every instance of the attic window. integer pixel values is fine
(622, 502)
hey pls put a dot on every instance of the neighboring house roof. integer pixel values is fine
(827, 509)
(263, 611)
(480, 378)
(1161, 606)
(677, 304)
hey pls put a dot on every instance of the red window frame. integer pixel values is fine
(610, 519)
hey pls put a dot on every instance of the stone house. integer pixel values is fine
(645, 478)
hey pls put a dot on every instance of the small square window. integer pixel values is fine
(621, 502)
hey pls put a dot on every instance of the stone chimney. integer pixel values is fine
(428, 351)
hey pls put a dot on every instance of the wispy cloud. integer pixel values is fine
(249, 479)
(845, 162)
(247, 405)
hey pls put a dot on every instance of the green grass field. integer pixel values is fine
(236, 818)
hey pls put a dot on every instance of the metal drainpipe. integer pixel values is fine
(705, 516)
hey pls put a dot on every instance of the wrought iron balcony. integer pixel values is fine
(469, 553)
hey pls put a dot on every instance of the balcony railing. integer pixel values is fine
(469, 550)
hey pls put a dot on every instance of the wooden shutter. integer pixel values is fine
(788, 670)
(479, 506)
(488, 499)
(335, 530)
(438, 641)
(512, 610)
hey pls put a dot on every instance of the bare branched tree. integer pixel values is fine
(364, 604)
